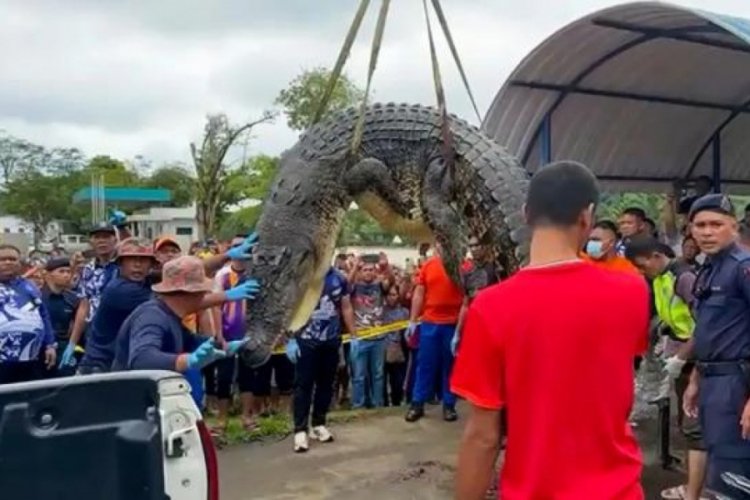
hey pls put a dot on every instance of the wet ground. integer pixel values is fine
(377, 458)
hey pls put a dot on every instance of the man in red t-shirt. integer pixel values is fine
(545, 346)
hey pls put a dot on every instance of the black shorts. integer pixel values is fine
(278, 368)
(221, 375)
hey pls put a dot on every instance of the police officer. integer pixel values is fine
(719, 387)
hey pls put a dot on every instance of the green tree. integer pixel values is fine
(301, 98)
(115, 172)
(177, 179)
(212, 172)
(17, 155)
(36, 197)
(250, 182)
(611, 205)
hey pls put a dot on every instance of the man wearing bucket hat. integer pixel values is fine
(125, 293)
(720, 382)
(154, 337)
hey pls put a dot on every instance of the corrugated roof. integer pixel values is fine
(636, 92)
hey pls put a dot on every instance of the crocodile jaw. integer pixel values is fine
(392, 221)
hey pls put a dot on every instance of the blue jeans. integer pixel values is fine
(368, 366)
(434, 357)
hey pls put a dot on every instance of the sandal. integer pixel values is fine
(217, 430)
(674, 493)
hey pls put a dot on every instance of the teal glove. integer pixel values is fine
(454, 341)
(204, 355)
(242, 252)
(411, 329)
(68, 356)
(292, 350)
(117, 217)
(245, 290)
(234, 346)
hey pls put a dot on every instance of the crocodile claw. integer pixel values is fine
(253, 354)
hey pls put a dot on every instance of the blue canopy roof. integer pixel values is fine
(118, 194)
(643, 93)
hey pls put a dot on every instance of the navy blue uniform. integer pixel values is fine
(119, 299)
(62, 310)
(722, 351)
(152, 338)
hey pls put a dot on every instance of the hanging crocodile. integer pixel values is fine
(398, 174)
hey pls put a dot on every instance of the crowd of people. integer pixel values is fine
(384, 335)
(548, 356)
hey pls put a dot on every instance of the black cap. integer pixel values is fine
(102, 227)
(713, 202)
(57, 263)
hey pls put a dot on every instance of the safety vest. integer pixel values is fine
(670, 307)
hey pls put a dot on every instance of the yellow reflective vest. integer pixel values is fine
(671, 308)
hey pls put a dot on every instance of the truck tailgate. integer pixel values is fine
(92, 437)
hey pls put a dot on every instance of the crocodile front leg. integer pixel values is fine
(371, 175)
(443, 218)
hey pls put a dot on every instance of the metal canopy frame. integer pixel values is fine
(643, 34)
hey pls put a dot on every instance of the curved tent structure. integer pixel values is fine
(643, 93)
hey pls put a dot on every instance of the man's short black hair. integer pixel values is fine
(636, 212)
(607, 225)
(643, 246)
(747, 207)
(559, 192)
(705, 179)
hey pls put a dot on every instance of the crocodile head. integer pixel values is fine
(297, 234)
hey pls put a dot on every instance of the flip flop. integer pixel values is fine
(674, 493)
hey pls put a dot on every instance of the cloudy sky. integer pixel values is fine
(137, 77)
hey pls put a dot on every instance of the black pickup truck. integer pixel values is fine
(120, 436)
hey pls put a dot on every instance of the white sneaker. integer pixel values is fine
(320, 433)
(300, 442)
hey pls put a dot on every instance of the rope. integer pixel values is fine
(374, 51)
(449, 39)
(447, 146)
(343, 55)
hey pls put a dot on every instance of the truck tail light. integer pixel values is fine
(212, 466)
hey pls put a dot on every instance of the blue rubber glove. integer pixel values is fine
(292, 350)
(454, 341)
(242, 252)
(354, 349)
(411, 329)
(117, 217)
(245, 290)
(234, 346)
(68, 356)
(204, 355)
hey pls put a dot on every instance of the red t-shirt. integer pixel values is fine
(555, 346)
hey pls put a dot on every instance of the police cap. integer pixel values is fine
(714, 202)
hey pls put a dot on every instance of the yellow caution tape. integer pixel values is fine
(365, 333)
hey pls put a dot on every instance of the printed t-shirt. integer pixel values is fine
(442, 298)
(367, 301)
(325, 322)
(565, 374)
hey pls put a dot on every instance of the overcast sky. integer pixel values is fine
(138, 77)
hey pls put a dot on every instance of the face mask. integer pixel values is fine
(595, 249)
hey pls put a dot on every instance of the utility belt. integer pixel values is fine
(724, 368)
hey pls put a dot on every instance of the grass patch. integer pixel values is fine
(278, 426)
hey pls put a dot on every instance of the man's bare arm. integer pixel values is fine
(347, 314)
(477, 454)
(79, 322)
(462, 314)
(417, 302)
